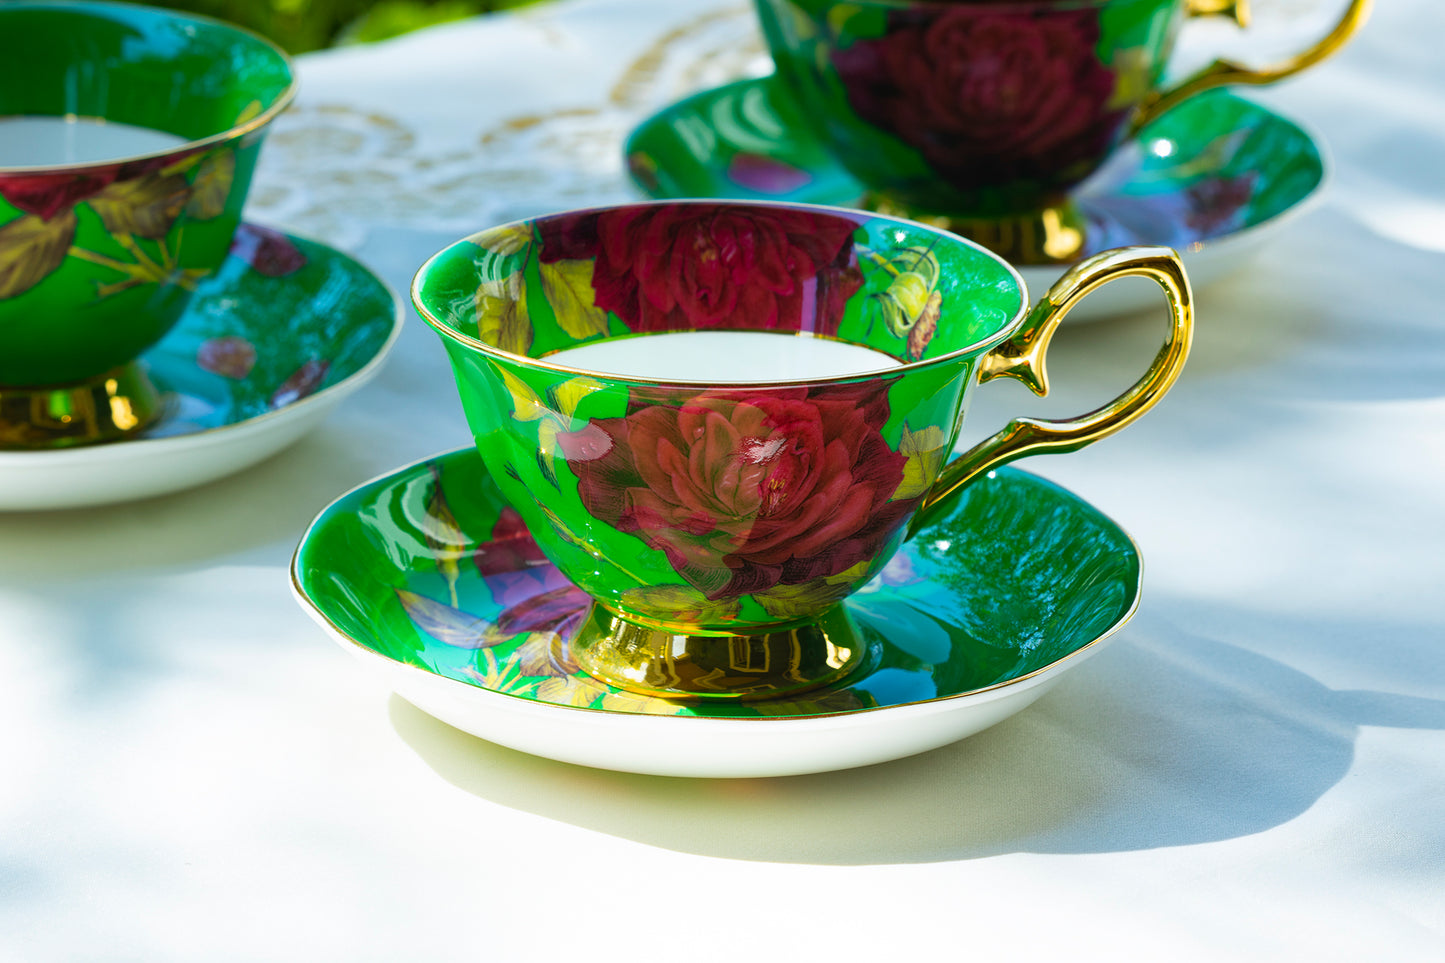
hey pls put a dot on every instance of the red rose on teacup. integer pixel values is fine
(677, 268)
(985, 95)
(744, 491)
(46, 195)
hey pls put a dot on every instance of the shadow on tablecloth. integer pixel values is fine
(1158, 742)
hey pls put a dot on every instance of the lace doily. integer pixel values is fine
(345, 160)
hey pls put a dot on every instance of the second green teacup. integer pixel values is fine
(721, 419)
(128, 136)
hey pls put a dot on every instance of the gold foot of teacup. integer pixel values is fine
(1053, 234)
(112, 406)
(661, 662)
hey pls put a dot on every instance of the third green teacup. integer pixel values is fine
(720, 419)
(982, 115)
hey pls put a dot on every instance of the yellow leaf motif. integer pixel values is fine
(624, 701)
(568, 287)
(924, 450)
(507, 239)
(838, 18)
(1132, 78)
(183, 165)
(840, 700)
(145, 207)
(250, 112)
(502, 318)
(30, 248)
(448, 543)
(212, 186)
(849, 574)
(547, 448)
(569, 691)
(680, 603)
(525, 403)
(542, 653)
(569, 394)
(809, 598)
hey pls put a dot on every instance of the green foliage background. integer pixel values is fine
(302, 25)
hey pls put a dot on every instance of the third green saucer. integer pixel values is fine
(1213, 178)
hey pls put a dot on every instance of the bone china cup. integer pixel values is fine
(720, 419)
(128, 136)
(985, 114)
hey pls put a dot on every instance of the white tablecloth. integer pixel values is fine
(1255, 770)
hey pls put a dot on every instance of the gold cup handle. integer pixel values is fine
(1224, 72)
(1022, 357)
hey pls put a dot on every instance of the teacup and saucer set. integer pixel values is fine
(712, 524)
(1044, 129)
(149, 339)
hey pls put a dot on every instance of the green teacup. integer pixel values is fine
(720, 419)
(982, 115)
(128, 136)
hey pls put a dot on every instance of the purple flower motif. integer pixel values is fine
(766, 175)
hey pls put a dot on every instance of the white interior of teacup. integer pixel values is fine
(733, 356)
(49, 141)
(98, 82)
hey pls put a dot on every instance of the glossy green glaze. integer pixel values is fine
(534, 288)
(98, 260)
(970, 109)
(429, 567)
(719, 506)
(1211, 167)
(280, 320)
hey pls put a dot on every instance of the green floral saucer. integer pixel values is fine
(268, 346)
(429, 577)
(1211, 178)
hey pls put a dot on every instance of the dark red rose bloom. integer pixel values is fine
(678, 267)
(745, 490)
(46, 195)
(303, 382)
(987, 97)
(1214, 202)
(269, 252)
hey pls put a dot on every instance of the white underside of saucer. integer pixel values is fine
(693, 746)
(182, 454)
(145, 468)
